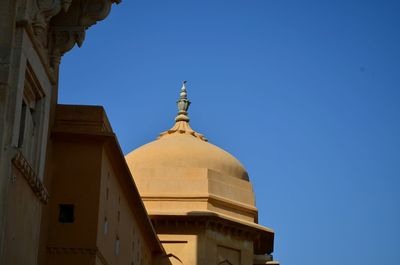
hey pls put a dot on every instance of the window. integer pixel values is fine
(105, 226)
(28, 135)
(22, 125)
(33, 119)
(117, 245)
(66, 214)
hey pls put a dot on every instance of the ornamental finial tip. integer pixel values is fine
(183, 90)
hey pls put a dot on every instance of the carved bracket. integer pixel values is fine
(58, 25)
(44, 10)
(68, 28)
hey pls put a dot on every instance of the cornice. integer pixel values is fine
(262, 237)
(211, 198)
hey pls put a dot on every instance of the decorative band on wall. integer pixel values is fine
(31, 177)
(79, 251)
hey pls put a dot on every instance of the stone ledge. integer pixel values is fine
(262, 237)
(78, 251)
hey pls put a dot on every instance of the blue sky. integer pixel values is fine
(306, 94)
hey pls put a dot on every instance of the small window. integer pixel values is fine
(117, 246)
(105, 228)
(66, 214)
(22, 124)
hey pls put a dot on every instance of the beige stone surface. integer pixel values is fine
(180, 150)
(180, 171)
(111, 225)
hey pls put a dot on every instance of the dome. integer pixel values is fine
(180, 149)
(181, 171)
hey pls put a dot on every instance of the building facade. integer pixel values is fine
(96, 215)
(34, 34)
(68, 195)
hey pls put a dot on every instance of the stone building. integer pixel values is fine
(199, 198)
(34, 35)
(68, 195)
(96, 215)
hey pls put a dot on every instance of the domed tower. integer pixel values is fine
(199, 198)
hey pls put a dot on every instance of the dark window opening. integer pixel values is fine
(22, 125)
(66, 213)
(117, 245)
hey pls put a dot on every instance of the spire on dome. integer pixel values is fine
(183, 105)
(182, 120)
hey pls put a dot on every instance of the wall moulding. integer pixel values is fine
(263, 238)
(31, 177)
(78, 251)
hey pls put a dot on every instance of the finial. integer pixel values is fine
(183, 105)
(182, 120)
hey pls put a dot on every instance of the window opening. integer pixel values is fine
(66, 213)
(117, 245)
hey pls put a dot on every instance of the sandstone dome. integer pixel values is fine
(185, 150)
(182, 172)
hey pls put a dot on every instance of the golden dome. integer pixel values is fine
(181, 146)
(181, 171)
(188, 151)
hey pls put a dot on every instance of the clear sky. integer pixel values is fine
(306, 94)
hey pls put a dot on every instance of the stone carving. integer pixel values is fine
(183, 104)
(58, 25)
(45, 10)
(31, 177)
(68, 28)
